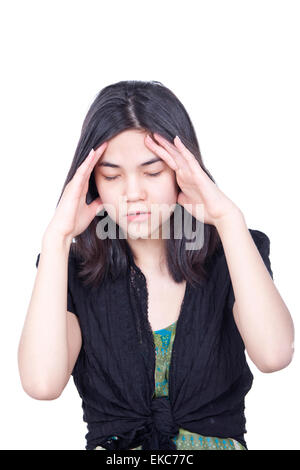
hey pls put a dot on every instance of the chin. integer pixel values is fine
(145, 232)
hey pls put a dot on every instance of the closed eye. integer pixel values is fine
(154, 174)
(109, 178)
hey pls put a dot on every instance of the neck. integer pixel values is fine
(149, 254)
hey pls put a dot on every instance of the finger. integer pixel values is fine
(168, 145)
(93, 157)
(86, 167)
(83, 172)
(181, 149)
(172, 150)
(190, 159)
(170, 160)
(98, 153)
(84, 164)
(187, 155)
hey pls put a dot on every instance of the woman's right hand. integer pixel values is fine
(73, 215)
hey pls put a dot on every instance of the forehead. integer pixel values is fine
(128, 150)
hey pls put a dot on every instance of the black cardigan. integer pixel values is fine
(115, 370)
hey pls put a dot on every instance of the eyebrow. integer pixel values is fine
(149, 162)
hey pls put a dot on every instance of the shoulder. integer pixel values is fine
(260, 238)
(73, 263)
(73, 260)
(262, 241)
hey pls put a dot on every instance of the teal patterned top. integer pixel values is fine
(185, 440)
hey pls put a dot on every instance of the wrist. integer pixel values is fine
(52, 237)
(235, 216)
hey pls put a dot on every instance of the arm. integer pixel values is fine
(261, 316)
(43, 347)
(50, 332)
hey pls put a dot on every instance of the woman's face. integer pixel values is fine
(127, 183)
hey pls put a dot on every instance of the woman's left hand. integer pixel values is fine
(196, 187)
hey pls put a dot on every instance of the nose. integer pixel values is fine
(134, 189)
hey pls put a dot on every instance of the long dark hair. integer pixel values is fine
(152, 107)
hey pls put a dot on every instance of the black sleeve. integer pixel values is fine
(262, 243)
(71, 272)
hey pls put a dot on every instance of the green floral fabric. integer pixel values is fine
(184, 440)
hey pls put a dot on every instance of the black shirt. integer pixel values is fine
(114, 372)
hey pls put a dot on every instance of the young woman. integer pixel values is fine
(152, 327)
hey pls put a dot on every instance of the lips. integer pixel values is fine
(138, 217)
(138, 212)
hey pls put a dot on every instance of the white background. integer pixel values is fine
(235, 67)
